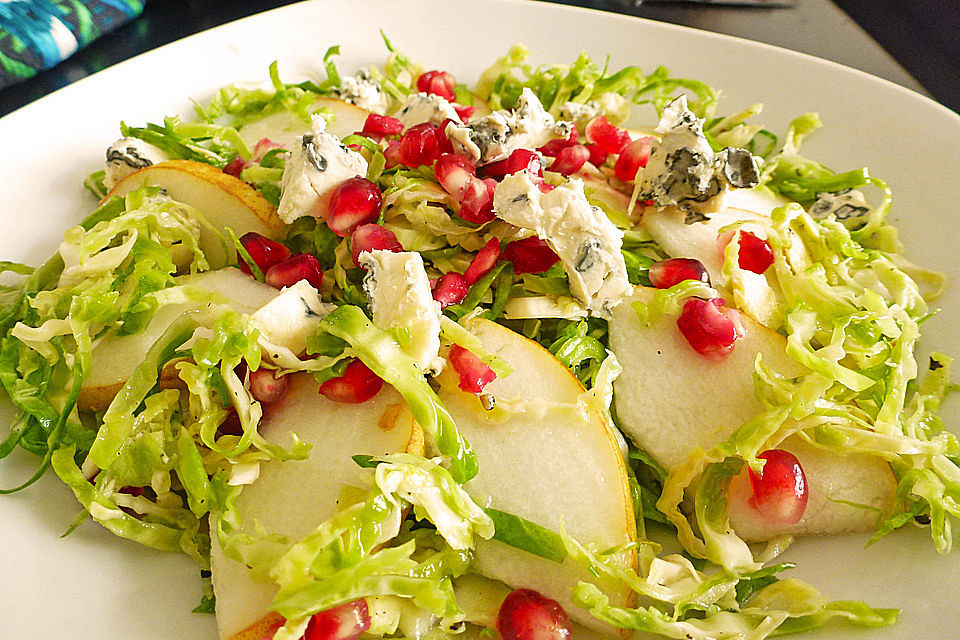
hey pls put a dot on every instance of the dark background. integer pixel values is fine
(922, 35)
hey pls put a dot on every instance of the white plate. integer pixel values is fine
(93, 586)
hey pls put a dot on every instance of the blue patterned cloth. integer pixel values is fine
(37, 34)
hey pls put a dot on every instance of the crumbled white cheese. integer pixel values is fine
(127, 155)
(291, 318)
(364, 91)
(313, 170)
(611, 105)
(426, 107)
(848, 206)
(586, 241)
(398, 289)
(496, 136)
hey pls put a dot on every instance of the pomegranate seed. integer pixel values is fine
(264, 251)
(382, 125)
(530, 255)
(463, 112)
(450, 289)
(263, 146)
(439, 83)
(755, 253)
(597, 155)
(231, 425)
(477, 203)
(454, 174)
(519, 160)
(266, 387)
(347, 621)
(708, 327)
(355, 202)
(527, 615)
(420, 145)
(371, 237)
(609, 138)
(634, 155)
(392, 155)
(554, 147)
(780, 491)
(302, 266)
(667, 273)
(474, 375)
(485, 260)
(570, 160)
(235, 167)
(357, 384)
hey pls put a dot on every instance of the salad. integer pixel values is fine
(388, 355)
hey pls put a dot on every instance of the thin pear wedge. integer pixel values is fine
(283, 127)
(543, 460)
(223, 200)
(291, 498)
(671, 401)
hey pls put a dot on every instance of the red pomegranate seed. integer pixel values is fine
(609, 138)
(463, 112)
(235, 167)
(474, 375)
(477, 203)
(485, 260)
(443, 142)
(347, 621)
(418, 146)
(708, 327)
(554, 147)
(392, 155)
(634, 155)
(382, 125)
(527, 615)
(356, 201)
(755, 253)
(357, 384)
(530, 255)
(597, 155)
(450, 289)
(454, 174)
(266, 387)
(263, 146)
(439, 83)
(517, 161)
(371, 237)
(780, 491)
(264, 251)
(302, 266)
(570, 160)
(667, 273)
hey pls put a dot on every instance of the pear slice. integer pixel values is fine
(291, 498)
(223, 200)
(283, 127)
(115, 357)
(671, 401)
(558, 468)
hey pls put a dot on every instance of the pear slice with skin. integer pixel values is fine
(559, 468)
(291, 498)
(115, 357)
(223, 200)
(283, 127)
(671, 401)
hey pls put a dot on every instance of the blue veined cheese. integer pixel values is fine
(364, 91)
(848, 206)
(292, 316)
(128, 155)
(313, 170)
(683, 170)
(586, 241)
(399, 292)
(425, 107)
(496, 136)
(611, 105)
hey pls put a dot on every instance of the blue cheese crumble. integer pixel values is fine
(496, 136)
(586, 241)
(849, 207)
(611, 105)
(313, 170)
(364, 91)
(426, 107)
(128, 155)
